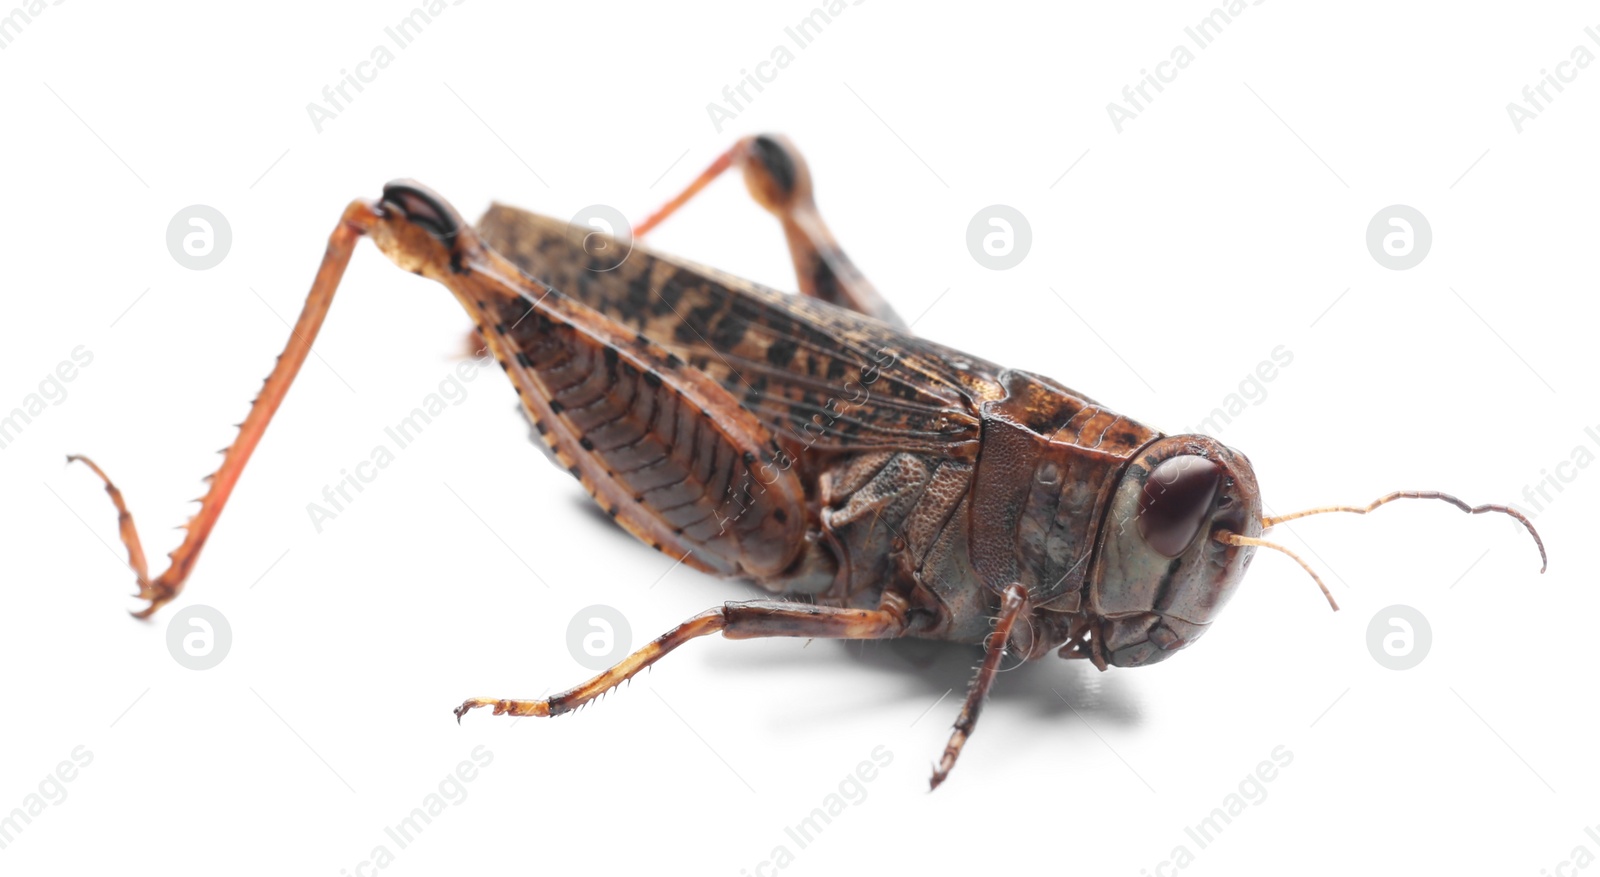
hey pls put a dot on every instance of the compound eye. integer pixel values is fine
(1174, 502)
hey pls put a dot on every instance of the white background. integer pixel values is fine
(1221, 223)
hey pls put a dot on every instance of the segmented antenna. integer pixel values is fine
(1231, 538)
(1269, 522)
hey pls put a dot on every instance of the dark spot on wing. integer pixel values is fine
(781, 352)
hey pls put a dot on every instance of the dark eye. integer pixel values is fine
(1174, 503)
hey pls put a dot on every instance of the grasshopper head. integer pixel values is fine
(1162, 577)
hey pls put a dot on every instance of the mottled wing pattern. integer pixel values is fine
(826, 378)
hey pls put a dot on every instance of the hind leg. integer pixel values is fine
(356, 221)
(779, 180)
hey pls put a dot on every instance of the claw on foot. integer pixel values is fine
(159, 591)
(158, 594)
(505, 707)
(472, 704)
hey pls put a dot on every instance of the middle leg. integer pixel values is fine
(749, 620)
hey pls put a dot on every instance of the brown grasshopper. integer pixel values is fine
(884, 485)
